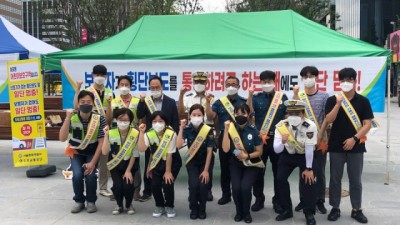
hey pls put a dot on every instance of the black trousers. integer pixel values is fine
(163, 193)
(224, 167)
(198, 190)
(121, 189)
(287, 163)
(258, 188)
(243, 179)
(177, 163)
(319, 171)
(146, 180)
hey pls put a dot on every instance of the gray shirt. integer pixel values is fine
(318, 101)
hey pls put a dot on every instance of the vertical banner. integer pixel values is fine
(27, 113)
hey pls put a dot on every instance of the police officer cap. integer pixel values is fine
(200, 76)
(267, 75)
(294, 105)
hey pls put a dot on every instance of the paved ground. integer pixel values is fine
(48, 200)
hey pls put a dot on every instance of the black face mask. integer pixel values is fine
(241, 120)
(85, 108)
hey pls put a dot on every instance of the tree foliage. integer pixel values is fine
(104, 18)
(316, 10)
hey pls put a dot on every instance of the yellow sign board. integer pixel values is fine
(27, 113)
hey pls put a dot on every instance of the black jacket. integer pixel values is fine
(169, 108)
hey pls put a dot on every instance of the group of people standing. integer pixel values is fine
(108, 133)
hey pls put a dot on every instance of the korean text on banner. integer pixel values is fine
(27, 113)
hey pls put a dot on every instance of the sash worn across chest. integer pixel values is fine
(97, 101)
(353, 116)
(162, 148)
(201, 137)
(91, 129)
(150, 104)
(127, 147)
(228, 107)
(311, 115)
(237, 142)
(270, 116)
(282, 128)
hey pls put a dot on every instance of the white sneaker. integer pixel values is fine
(158, 211)
(170, 212)
(131, 210)
(117, 210)
(105, 193)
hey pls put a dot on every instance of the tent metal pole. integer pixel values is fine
(387, 176)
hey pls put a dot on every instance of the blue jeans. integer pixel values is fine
(78, 176)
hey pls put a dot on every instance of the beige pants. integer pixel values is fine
(103, 172)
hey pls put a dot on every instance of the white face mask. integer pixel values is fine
(156, 94)
(196, 120)
(199, 88)
(268, 87)
(124, 90)
(99, 80)
(294, 120)
(232, 90)
(123, 125)
(309, 82)
(346, 86)
(158, 127)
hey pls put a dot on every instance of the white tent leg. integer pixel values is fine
(387, 176)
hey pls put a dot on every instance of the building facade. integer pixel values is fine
(40, 21)
(12, 11)
(368, 20)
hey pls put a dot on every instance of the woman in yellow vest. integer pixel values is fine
(120, 146)
(242, 140)
(160, 140)
(126, 100)
(200, 142)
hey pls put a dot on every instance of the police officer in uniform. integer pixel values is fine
(219, 110)
(245, 156)
(261, 103)
(186, 101)
(296, 138)
(198, 163)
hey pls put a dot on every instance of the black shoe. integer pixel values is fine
(210, 197)
(284, 215)
(248, 219)
(334, 214)
(202, 214)
(194, 214)
(359, 216)
(238, 218)
(258, 205)
(310, 220)
(144, 198)
(321, 208)
(224, 200)
(277, 208)
(299, 207)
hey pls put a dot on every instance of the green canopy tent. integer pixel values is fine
(255, 35)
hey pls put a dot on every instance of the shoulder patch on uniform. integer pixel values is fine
(306, 124)
(310, 135)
